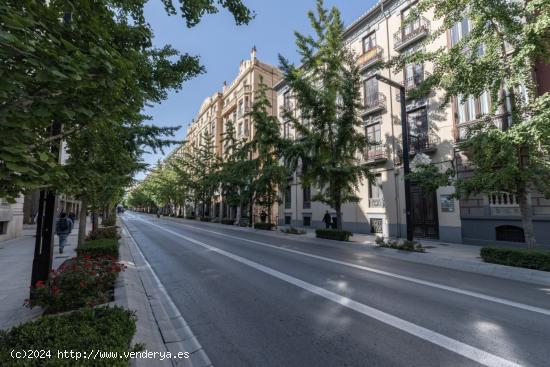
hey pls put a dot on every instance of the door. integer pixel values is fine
(424, 213)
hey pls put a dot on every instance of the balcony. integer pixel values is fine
(503, 203)
(370, 58)
(375, 154)
(411, 33)
(375, 104)
(411, 83)
(423, 143)
(376, 202)
(500, 121)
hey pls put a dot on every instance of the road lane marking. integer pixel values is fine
(453, 345)
(485, 297)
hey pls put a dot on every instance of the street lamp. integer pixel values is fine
(405, 137)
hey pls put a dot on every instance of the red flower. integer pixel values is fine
(40, 284)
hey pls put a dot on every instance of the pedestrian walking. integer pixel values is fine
(327, 219)
(63, 229)
(263, 216)
(72, 216)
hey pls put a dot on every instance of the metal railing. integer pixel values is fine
(375, 153)
(374, 104)
(376, 202)
(411, 32)
(370, 57)
(424, 142)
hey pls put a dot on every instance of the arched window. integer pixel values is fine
(510, 233)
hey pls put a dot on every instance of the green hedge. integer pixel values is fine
(205, 219)
(103, 328)
(101, 233)
(102, 247)
(264, 226)
(109, 222)
(522, 258)
(333, 234)
(228, 222)
(190, 217)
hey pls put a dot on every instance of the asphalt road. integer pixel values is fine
(258, 300)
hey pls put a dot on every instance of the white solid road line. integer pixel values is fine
(502, 301)
(453, 345)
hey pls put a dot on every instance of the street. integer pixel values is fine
(260, 300)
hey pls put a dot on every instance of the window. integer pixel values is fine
(460, 30)
(376, 225)
(369, 42)
(375, 188)
(3, 227)
(374, 135)
(307, 197)
(472, 108)
(286, 130)
(414, 75)
(288, 197)
(411, 27)
(307, 220)
(418, 122)
(286, 99)
(371, 92)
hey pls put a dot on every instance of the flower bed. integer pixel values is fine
(333, 234)
(264, 226)
(109, 329)
(407, 245)
(81, 281)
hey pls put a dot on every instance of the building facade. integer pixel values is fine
(231, 105)
(11, 219)
(379, 35)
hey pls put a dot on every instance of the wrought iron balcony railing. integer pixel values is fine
(370, 57)
(375, 154)
(374, 103)
(411, 33)
(465, 129)
(425, 143)
(376, 202)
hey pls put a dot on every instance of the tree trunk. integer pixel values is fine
(527, 220)
(95, 221)
(338, 208)
(221, 209)
(82, 222)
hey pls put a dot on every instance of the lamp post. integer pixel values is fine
(405, 138)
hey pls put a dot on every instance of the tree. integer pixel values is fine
(266, 146)
(327, 92)
(96, 66)
(497, 56)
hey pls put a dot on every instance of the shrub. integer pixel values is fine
(109, 222)
(333, 234)
(79, 282)
(101, 233)
(380, 241)
(180, 216)
(523, 258)
(103, 247)
(228, 221)
(407, 245)
(205, 219)
(293, 230)
(189, 217)
(108, 329)
(264, 226)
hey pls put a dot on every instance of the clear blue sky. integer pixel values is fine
(221, 46)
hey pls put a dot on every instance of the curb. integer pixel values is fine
(496, 270)
(160, 325)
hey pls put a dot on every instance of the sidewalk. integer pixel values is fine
(16, 257)
(448, 255)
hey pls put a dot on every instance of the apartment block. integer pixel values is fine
(232, 105)
(433, 131)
